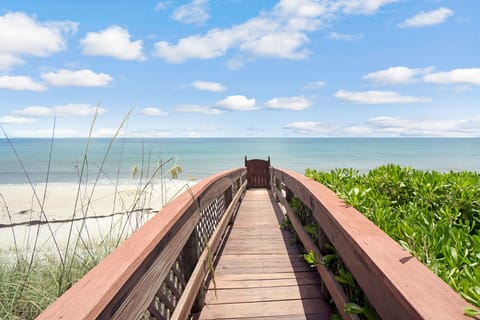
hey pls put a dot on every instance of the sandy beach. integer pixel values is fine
(110, 214)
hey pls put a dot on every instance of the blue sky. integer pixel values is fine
(233, 68)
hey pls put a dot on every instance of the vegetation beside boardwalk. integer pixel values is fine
(435, 216)
(27, 287)
(34, 276)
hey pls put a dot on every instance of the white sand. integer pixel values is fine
(19, 205)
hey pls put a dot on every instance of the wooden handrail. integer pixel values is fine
(158, 272)
(148, 273)
(395, 282)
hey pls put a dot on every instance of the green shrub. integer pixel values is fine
(435, 216)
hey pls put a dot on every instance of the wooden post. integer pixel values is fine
(190, 254)
(228, 196)
(288, 194)
(322, 247)
(275, 186)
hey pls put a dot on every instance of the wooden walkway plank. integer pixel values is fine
(260, 273)
(275, 309)
(239, 295)
(257, 281)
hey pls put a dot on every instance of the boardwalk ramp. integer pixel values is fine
(261, 272)
(217, 252)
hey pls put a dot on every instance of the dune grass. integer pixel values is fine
(27, 287)
(33, 277)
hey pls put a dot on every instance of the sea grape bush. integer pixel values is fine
(359, 303)
(433, 215)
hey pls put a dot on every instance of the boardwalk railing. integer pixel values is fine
(396, 284)
(158, 273)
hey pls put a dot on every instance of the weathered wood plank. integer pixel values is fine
(289, 279)
(266, 269)
(266, 250)
(260, 274)
(269, 276)
(263, 294)
(253, 260)
(267, 309)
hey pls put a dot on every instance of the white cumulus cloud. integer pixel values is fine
(195, 12)
(280, 32)
(456, 76)
(78, 78)
(300, 8)
(20, 83)
(208, 86)
(214, 44)
(8, 61)
(237, 103)
(35, 111)
(285, 45)
(21, 34)
(190, 108)
(428, 18)
(16, 120)
(67, 110)
(112, 42)
(377, 97)
(288, 103)
(366, 7)
(156, 112)
(396, 75)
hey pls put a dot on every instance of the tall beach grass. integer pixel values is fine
(35, 273)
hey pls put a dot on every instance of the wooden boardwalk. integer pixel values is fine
(260, 274)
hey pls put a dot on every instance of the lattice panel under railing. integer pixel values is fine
(165, 301)
(209, 218)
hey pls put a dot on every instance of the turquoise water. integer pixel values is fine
(200, 158)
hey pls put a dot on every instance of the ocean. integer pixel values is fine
(200, 158)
